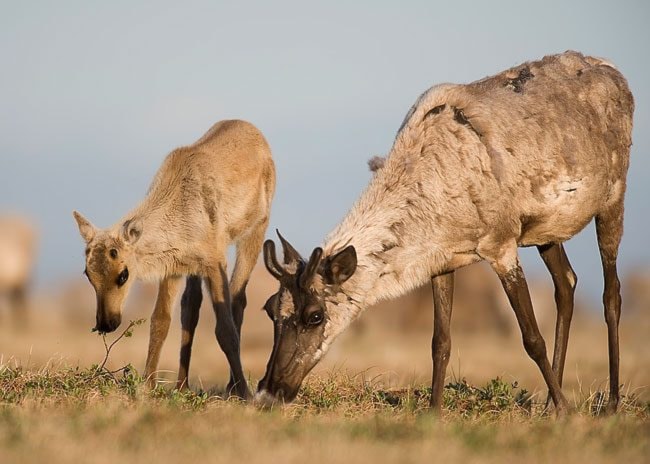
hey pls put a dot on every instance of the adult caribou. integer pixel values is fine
(527, 157)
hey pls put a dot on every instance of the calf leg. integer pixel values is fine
(443, 295)
(512, 278)
(564, 280)
(225, 330)
(609, 229)
(160, 320)
(248, 250)
(190, 307)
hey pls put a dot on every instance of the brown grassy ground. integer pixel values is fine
(363, 403)
(72, 415)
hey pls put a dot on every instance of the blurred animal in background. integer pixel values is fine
(204, 197)
(17, 258)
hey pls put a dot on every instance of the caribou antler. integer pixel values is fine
(311, 268)
(290, 254)
(271, 260)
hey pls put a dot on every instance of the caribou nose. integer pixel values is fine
(113, 323)
(109, 325)
(102, 328)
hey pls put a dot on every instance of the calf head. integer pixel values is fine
(110, 261)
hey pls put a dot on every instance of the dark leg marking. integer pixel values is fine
(226, 332)
(190, 308)
(238, 306)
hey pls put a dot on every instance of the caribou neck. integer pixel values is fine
(389, 262)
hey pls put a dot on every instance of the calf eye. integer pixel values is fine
(123, 277)
(113, 253)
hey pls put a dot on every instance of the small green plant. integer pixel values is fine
(128, 370)
(497, 396)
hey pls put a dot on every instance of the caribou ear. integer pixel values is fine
(86, 229)
(131, 230)
(340, 267)
(271, 260)
(289, 252)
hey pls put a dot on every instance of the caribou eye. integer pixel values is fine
(123, 277)
(113, 253)
(315, 318)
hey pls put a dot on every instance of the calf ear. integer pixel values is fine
(132, 230)
(340, 267)
(86, 229)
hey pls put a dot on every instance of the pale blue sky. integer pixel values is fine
(93, 95)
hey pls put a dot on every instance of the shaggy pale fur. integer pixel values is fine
(527, 168)
(526, 157)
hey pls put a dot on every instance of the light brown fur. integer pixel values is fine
(17, 257)
(205, 196)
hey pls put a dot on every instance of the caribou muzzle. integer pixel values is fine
(106, 323)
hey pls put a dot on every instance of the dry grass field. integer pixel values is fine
(364, 403)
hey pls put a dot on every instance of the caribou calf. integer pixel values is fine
(204, 197)
(527, 157)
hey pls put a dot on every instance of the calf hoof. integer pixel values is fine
(182, 385)
(239, 390)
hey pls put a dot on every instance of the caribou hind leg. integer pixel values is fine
(514, 283)
(564, 280)
(248, 249)
(190, 308)
(443, 295)
(609, 229)
(225, 330)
